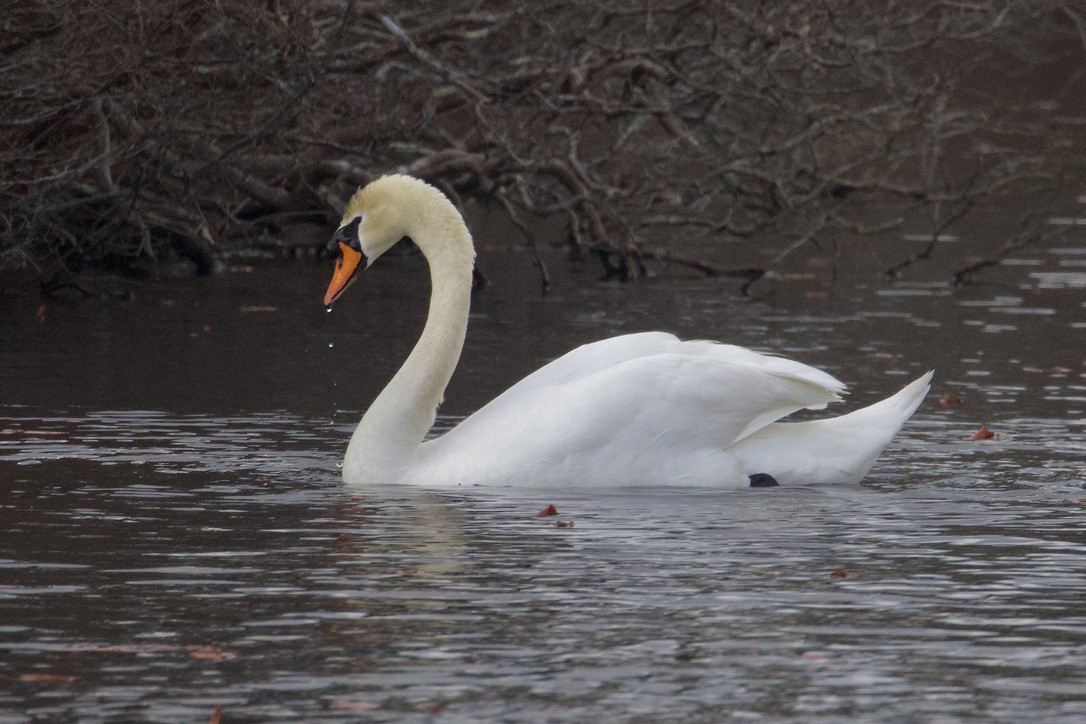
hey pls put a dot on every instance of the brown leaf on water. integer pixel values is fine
(950, 401)
(17, 431)
(210, 653)
(563, 524)
(840, 573)
(549, 510)
(258, 308)
(982, 434)
(52, 678)
(354, 704)
(216, 715)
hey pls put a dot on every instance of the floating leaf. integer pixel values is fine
(563, 524)
(840, 573)
(17, 431)
(354, 704)
(949, 401)
(210, 653)
(549, 510)
(54, 678)
(982, 434)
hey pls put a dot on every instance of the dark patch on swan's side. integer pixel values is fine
(763, 480)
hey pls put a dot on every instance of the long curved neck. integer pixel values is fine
(396, 423)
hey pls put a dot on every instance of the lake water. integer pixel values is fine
(174, 535)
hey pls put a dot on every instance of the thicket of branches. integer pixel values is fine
(136, 132)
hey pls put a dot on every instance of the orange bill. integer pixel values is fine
(346, 267)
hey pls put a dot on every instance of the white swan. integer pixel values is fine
(640, 409)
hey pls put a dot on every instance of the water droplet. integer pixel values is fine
(331, 344)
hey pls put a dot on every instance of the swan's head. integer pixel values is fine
(374, 220)
(386, 211)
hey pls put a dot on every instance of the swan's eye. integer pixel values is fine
(347, 234)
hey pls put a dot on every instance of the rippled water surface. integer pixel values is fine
(174, 536)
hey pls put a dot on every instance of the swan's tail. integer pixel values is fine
(835, 450)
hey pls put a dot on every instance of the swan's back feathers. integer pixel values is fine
(622, 400)
(594, 357)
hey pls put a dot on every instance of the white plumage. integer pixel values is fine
(639, 409)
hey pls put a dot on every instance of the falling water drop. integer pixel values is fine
(331, 344)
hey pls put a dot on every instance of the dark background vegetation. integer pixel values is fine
(137, 134)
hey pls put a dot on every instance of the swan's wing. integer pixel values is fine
(588, 359)
(593, 358)
(669, 404)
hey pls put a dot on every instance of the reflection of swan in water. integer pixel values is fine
(417, 535)
(639, 409)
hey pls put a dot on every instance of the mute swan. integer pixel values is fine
(639, 409)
